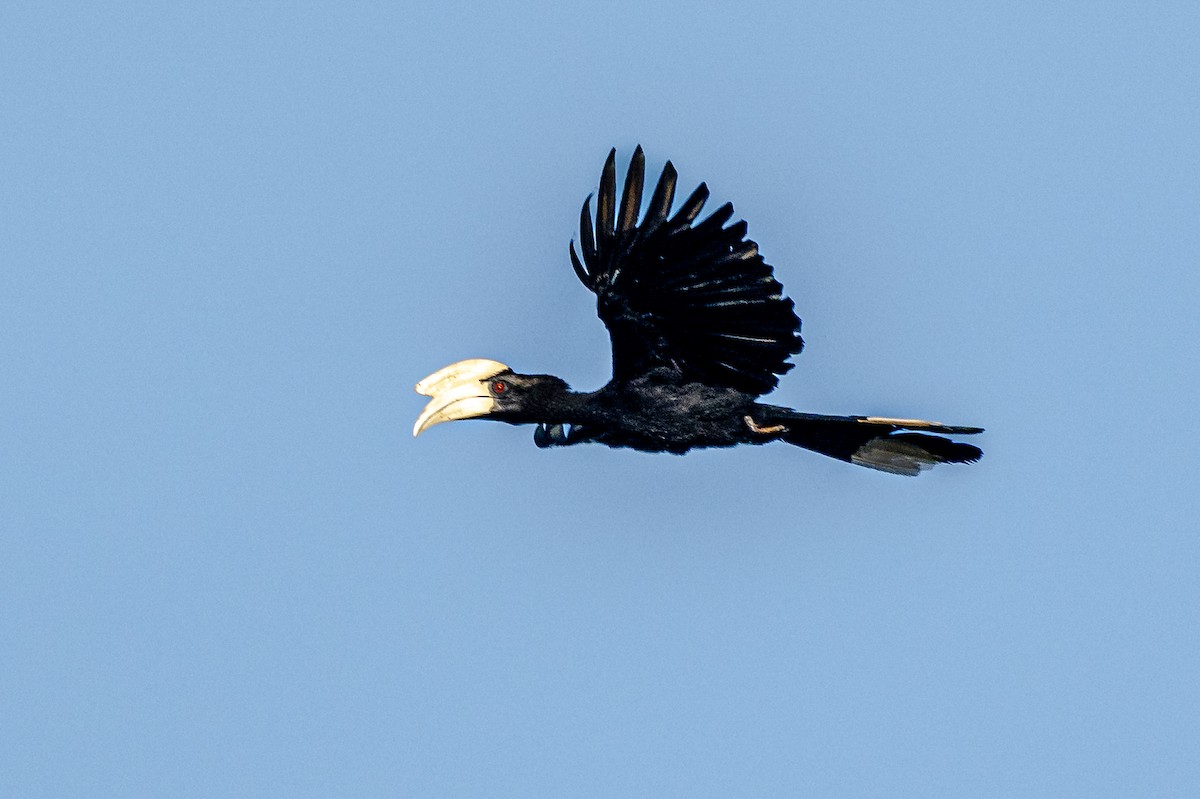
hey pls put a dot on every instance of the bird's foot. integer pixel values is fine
(764, 430)
(549, 435)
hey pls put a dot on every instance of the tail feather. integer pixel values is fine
(912, 453)
(877, 442)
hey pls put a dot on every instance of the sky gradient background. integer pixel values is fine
(232, 238)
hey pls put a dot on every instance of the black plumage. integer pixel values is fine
(696, 299)
(700, 328)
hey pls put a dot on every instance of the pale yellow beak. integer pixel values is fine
(459, 391)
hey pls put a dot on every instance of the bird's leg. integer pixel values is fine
(763, 430)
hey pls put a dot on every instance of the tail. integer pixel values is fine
(875, 442)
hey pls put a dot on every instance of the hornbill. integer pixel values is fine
(700, 328)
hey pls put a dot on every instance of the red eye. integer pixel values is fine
(499, 387)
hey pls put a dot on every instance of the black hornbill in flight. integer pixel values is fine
(700, 329)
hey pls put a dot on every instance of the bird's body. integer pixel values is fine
(700, 329)
(661, 412)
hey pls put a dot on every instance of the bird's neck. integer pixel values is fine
(568, 407)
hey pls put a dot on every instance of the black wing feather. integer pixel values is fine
(691, 207)
(695, 298)
(580, 271)
(660, 201)
(631, 198)
(587, 241)
(604, 204)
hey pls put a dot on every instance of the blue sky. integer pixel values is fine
(233, 237)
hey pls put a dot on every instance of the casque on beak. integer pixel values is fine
(459, 391)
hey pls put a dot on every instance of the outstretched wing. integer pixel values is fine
(698, 298)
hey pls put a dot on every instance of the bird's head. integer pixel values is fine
(478, 388)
